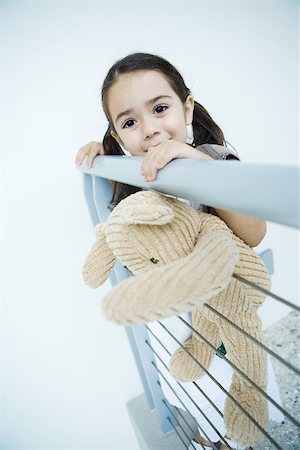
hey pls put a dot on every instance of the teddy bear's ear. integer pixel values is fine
(147, 214)
(100, 260)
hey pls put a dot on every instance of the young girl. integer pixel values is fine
(150, 113)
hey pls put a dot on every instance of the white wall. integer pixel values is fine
(67, 373)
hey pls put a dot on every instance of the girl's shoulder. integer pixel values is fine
(216, 151)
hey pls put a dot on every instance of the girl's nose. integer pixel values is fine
(149, 129)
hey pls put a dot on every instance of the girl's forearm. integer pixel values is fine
(249, 229)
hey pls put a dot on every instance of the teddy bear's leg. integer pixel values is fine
(239, 427)
(251, 360)
(182, 366)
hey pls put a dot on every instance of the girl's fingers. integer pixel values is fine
(155, 160)
(151, 175)
(100, 149)
(91, 156)
(89, 160)
(80, 155)
(89, 151)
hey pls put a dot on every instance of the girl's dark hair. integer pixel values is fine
(206, 131)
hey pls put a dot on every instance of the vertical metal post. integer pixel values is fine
(98, 195)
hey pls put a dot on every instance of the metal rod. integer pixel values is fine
(171, 412)
(202, 392)
(260, 344)
(207, 419)
(286, 413)
(224, 390)
(169, 419)
(265, 291)
(203, 414)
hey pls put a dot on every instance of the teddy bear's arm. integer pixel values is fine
(176, 287)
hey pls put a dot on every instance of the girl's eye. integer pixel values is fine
(129, 123)
(160, 108)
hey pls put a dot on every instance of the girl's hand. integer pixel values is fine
(159, 156)
(89, 151)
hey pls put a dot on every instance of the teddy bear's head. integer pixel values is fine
(147, 230)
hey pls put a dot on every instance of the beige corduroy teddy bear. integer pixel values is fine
(182, 259)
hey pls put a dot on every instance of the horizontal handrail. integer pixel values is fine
(270, 192)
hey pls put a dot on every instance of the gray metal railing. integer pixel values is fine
(266, 191)
(270, 192)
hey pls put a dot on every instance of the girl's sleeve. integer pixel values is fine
(219, 152)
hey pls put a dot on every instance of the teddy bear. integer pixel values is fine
(183, 260)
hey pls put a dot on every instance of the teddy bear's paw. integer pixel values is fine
(239, 426)
(115, 306)
(182, 364)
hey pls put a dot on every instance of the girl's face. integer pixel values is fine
(145, 111)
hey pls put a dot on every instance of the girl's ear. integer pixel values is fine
(116, 137)
(189, 109)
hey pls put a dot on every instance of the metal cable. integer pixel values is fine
(221, 387)
(207, 419)
(196, 385)
(171, 412)
(177, 433)
(207, 398)
(188, 395)
(264, 291)
(212, 403)
(286, 413)
(260, 344)
(243, 410)
(226, 392)
(183, 418)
